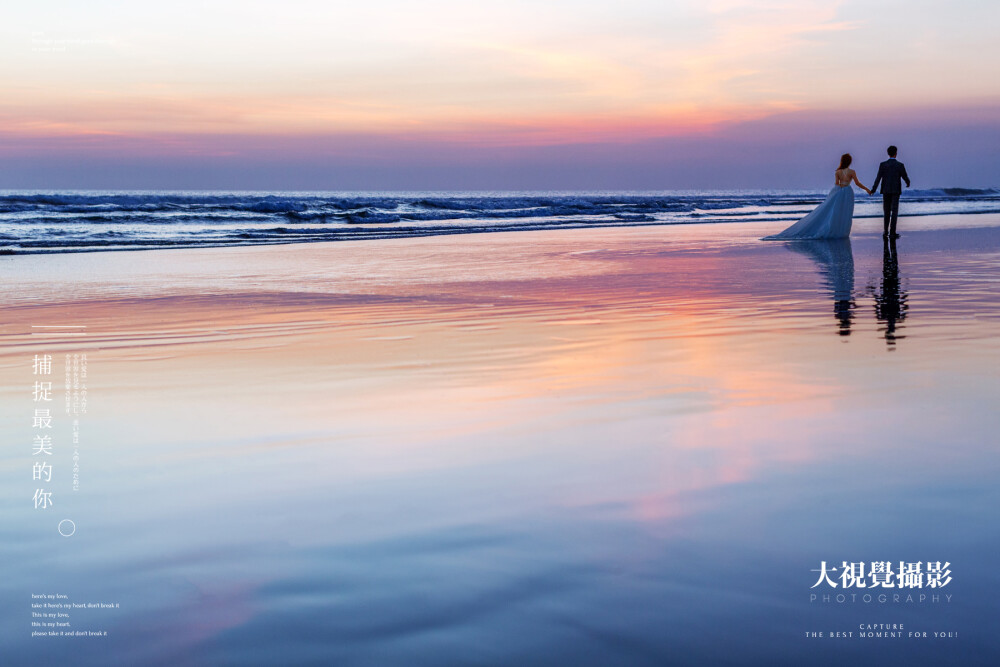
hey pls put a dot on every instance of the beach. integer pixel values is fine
(621, 445)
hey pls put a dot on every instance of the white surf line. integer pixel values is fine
(58, 326)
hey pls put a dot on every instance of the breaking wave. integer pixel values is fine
(77, 221)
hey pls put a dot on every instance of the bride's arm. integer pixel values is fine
(854, 175)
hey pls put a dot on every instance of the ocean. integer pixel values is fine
(75, 221)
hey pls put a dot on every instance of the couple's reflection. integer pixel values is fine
(835, 261)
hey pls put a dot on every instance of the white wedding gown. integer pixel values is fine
(830, 220)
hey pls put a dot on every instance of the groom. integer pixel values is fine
(890, 173)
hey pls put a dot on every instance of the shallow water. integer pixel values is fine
(605, 446)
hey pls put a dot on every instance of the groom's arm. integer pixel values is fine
(878, 178)
(902, 172)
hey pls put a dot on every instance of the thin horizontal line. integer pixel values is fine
(56, 333)
(58, 326)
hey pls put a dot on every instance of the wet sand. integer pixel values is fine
(578, 446)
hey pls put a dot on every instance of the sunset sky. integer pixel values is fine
(439, 94)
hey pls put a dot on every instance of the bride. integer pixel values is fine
(831, 219)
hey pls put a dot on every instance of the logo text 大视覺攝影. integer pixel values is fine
(907, 578)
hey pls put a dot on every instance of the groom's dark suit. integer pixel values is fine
(890, 174)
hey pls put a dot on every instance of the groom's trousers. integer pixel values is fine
(890, 207)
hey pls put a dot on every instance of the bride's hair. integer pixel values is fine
(845, 161)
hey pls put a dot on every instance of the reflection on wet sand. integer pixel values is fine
(590, 448)
(835, 261)
(891, 304)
